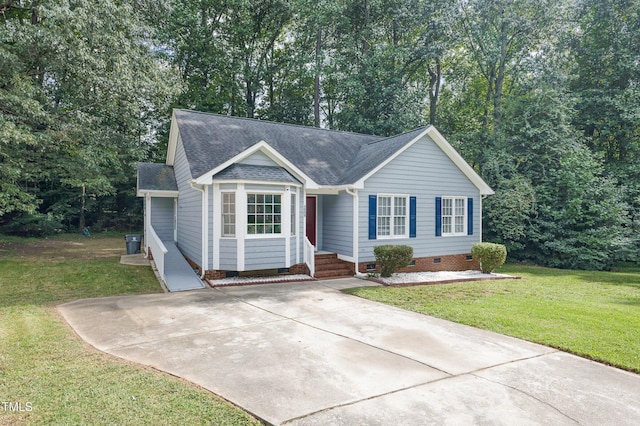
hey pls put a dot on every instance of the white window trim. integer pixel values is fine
(222, 234)
(453, 225)
(393, 236)
(284, 233)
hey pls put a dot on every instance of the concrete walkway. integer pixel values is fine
(306, 354)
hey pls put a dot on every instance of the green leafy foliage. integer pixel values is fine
(491, 256)
(390, 258)
(81, 92)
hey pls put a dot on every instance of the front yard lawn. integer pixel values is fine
(591, 314)
(50, 376)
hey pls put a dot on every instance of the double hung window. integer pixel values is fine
(454, 215)
(392, 216)
(228, 214)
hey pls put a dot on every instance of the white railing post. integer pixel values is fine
(310, 256)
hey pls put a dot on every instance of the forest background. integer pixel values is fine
(541, 97)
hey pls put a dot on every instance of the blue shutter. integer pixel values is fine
(373, 216)
(438, 216)
(412, 217)
(469, 216)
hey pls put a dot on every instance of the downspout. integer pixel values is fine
(355, 224)
(147, 223)
(205, 224)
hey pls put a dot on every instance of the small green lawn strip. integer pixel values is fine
(43, 362)
(592, 314)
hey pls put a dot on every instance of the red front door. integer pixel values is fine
(311, 219)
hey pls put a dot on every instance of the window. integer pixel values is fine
(392, 216)
(228, 214)
(454, 215)
(264, 214)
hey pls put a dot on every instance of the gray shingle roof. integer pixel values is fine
(210, 139)
(259, 173)
(156, 177)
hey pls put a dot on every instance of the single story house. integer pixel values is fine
(239, 194)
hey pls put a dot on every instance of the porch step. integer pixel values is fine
(329, 266)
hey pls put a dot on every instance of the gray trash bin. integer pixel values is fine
(133, 243)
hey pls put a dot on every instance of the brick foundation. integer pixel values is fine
(453, 262)
(211, 274)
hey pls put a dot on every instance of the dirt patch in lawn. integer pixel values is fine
(63, 248)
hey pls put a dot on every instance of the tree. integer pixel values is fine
(82, 95)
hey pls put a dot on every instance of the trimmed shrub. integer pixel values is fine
(490, 256)
(390, 258)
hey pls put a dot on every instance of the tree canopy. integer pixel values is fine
(541, 97)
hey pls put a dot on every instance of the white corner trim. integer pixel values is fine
(217, 225)
(355, 225)
(241, 225)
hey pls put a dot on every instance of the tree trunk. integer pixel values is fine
(435, 81)
(316, 82)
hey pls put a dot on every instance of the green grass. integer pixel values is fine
(591, 314)
(44, 363)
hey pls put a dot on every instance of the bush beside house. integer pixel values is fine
(490, 256)
(390, 258)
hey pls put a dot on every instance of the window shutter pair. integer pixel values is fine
(439, 216)
(373, 217)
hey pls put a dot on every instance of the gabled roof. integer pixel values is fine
(210, 140)
(318, 157)
(156, 178)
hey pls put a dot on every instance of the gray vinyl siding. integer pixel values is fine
(337, 223)
(162, 217)
(258, 159)
(228, 254)
(264, 253)
(425, 172)
(189, 209)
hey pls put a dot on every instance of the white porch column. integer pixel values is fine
(285, 216)
(241, 224)
(217, 225)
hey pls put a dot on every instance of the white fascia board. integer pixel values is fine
(457, 159)
(268, 150)
(173, 141)
(157, 193)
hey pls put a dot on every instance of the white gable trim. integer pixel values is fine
(270, 152)
(449, 151)
(173, 141)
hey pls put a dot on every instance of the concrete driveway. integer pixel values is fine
(306, 354)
